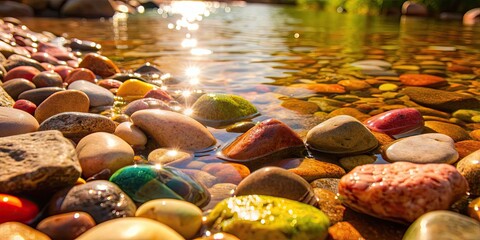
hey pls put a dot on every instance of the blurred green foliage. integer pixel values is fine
(376, 7)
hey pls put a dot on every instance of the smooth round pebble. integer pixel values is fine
(66, 226)
(26, 72)
(17, 209)
(133, 88)
(47, 79)
(38, 95)
(350, 162)
(97, 95)
(79, 74)
(167, 155)
(469, 167)
(144, 103)
(16, 230)
(99, 64)
(388, 87)
(16, 86)
(131, 228)
(26, 106)
(56, 103)
(131, 134)
(183, 217)
(14, 121)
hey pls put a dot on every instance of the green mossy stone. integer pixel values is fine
(264, 217)
(222, 108)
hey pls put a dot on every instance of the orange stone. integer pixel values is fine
(422, 80)
(80, 74)
(343, 231)
(322, 87)
(464, 148)
(16, 209)
(99, 64)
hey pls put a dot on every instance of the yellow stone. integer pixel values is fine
(134, 89)
(388, 87)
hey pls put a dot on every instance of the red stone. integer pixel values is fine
(396, 122)
(460, 69)
(47, 66)
(267, 137)
(63, 71)
(158, 94)
(44, 57)
(16, 209)
(26, 72)
(109, 83)
(422, 80)
(25, 105)
(99, 64)
(80, 74)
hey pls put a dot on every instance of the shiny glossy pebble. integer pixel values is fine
(16, 209)
(66, 226)
(396, 122)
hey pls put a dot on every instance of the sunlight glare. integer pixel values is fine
(192, 72)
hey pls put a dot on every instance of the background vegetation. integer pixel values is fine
(375, 7)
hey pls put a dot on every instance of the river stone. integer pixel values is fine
(423, 148)
(422, 80)
(16, 230)
(354, 85)
(322, 88)
(311, 169)
(474, 209)
(38, 95)
(341, 134)
(131, 134)
(464, 148)
(18, 60)
(98, 96)
(40, 161)
(5, 99)
(63, 101)
(218, 193)
(222, 108)
(227, 172)
(99, 64)
(350, 112)
(131, 228)
(47, 79)
(330, 184)
(330, 205)
(183, 217)
(134, 89)
(101, 199)
(77, 74)
(300, 106)
(466, 115)
(175, 130)
(144, 182)
(277, 182)
(14, 121)
(266, 138)
(26, 72)
(263, 217)
(454, 131)
(16, 86)
(469, 167)
(207, 179)
(101, 150)
(76, 125)
(17, 209)
(351, 162)
(401, 191)
(144, 103)
(440, 225)
(164, 156)
(440, 99)
(66, 226)
(398, 122)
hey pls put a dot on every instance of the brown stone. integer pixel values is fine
(300, 106)
(330, 204)
(63, 101)
(343, 231)
(440, 99)
(80, 74)
(227, 172)
(99, 64)
(464, 148)
(454, 131)
(360, 116)
(66, 226)
(14, 121)
(311, 169)
(322, 87)
(422, 80)
(16, 86)
(5, 99)
(88, 8)
(16, 230)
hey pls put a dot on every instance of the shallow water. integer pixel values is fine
(257, 50)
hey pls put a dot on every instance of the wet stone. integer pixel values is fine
(164, 156)
(38, 95)
(101, 199)
(16, 230)
(330, 184)
(399, 122)
(422, 80)
(75, 125)
(98, 64)
(79, 74)
(330, 205)
(311, 169)
(148, 182)
(40, 161)
(440, 99)
(302, 107)
(227, 172)
(131, 134)
(144, 103)
(66, 226)
(47, 79)
(14, 121)
(97, 95)
(17, 209)
(5, 99)
(240, 127)
(17, 60)
(55, 103)
(350, 162)
(26, 72)
(464, 148)
(469, 167)
(16, 86)
(423, 148)
(454, 131)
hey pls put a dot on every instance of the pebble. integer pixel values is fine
(76, 125)
(397, 123)
(202, 177)
(17, 60)
(99, 64)
(15, 121)
(44, 57)
(467, 115)
(222, 108)
(101, 150)
(97, 95)
(131, 134)
(16, 230)
(375, 189)
(131, 228)
(474, 209)
(66, 226)
(183, 217)
(79, 74)
(443, 225)
(148, 182)
(101, 199)
(171, 129)
(26, 72)
(25, 106)
(330, 205)
(469, 167)
(330, 184)
(300, 106)
(422, 80)
(351, 162)
(454, 131)
(164, 156)
(38, 95)
(353, 112)
(322, 88)
(440, 99)
(423, 148)
(277, 182)
(240, 127)
(134, 89)
(388, 87)
(109, 83)
(158, 94)
(144, 103)
(227, 172)
(17, 209)
(464, 148)
(311, 169)
(37, 162)
(16, 86)
(55, 103)
(354, 85)
(47, 79)
(218, 193)
(271, 221)
(341, 134)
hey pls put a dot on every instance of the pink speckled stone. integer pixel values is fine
(401, 191)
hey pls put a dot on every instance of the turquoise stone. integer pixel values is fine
(148, 182)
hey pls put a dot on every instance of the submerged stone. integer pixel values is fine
(222, 108)
(422, 80)
(262, 217)
(401, 191)
(148, 182)
(443, 225)
(341, 134)
(396, 122)
(440, 99)
(469, 167)
(266, 138)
